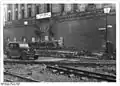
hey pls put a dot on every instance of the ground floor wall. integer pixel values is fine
(18, 32)
(82, 33)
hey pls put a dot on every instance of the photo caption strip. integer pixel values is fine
(10, 84)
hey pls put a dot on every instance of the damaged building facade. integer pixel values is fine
(78, 24)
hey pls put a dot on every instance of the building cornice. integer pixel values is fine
(61, 17)
(82, 15)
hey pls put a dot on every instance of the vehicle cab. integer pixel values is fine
(20, 50)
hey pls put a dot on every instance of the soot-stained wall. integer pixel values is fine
(18, 32)
(84, 33)
(77, 33)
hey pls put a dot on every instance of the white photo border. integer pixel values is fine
(64, 1)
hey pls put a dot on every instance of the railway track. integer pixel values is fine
(64, 62)
(83, 73)
(19, 77)
(65, 69)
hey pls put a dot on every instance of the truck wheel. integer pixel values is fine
(24, 56)
(35, 57)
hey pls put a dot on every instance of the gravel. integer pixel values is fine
(41, 73)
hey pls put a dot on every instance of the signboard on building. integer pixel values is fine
(43, 15)
(101, 28)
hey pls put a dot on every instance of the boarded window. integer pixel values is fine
(29, 12)
(22, 13)
(68, 7)
(56, 8)
(37, 9)
(75, 7)
(16, 15)
(62, 7)
(9, 16)
(48, 7)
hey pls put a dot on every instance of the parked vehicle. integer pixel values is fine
(20, 50)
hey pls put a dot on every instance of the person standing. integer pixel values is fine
(109, 49)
